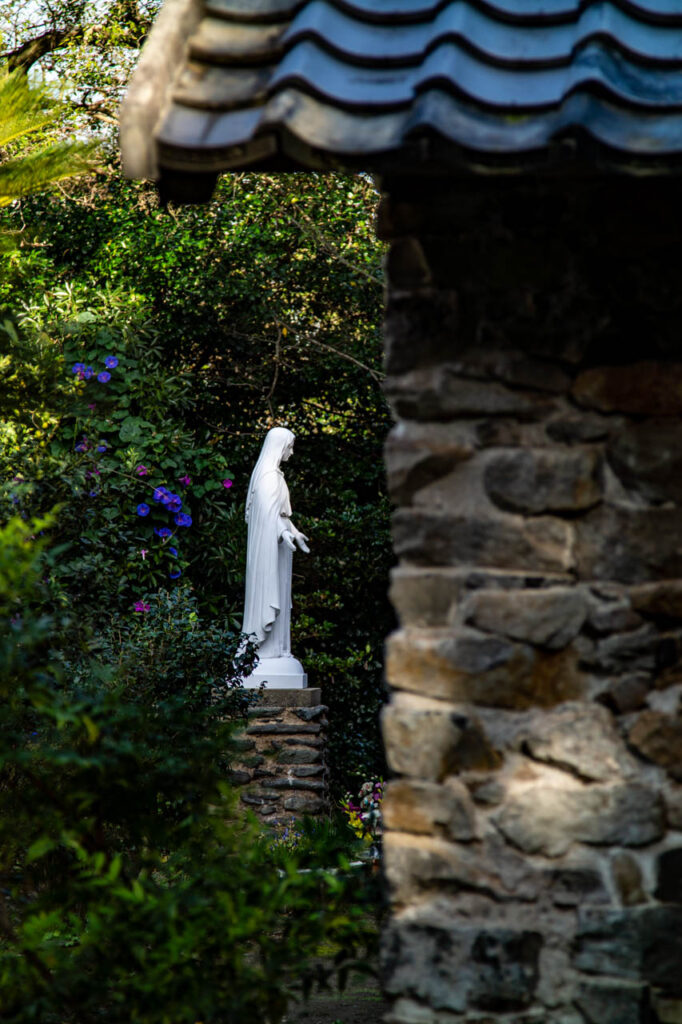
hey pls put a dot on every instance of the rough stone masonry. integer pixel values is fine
(280, 764)
(533, 845)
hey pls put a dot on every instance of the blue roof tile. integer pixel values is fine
(387, 84)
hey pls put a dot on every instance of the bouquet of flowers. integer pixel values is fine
(364, 813)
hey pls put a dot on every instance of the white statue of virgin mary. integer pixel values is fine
(272, 539)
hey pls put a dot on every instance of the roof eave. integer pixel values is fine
(150, 86)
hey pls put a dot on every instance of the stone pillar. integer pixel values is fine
(533, 844)
(280, 765)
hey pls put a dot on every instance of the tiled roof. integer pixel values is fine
(408, 84)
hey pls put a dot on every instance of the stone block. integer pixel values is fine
(300, 755)
(614, 1002)
(540, 480)
(669, 876)
(628, 544)
(486, 968)
(279, 699)
(642, 389)
(414, 863)
(673, 805)
(310, 714)
(662, 599)
(647, 458)
(580, 738)
(304, 771)
(658, 738)
(434, 309)
(550, 617)
(282, 729)
(440, 393)
(255, 799)
(485, 789)
(627, 878)
(431, 742)
(426, 808)
(239, 778)
(576, 885)
(418, 453)
(303, 741)
(512, 366)
(643, 944)
(627, 693)
(313, 785)
(611, 615)
(303, 803)
(473, 667)
(578, 429)
(429, 537)
(547, 819)
(430, 596)
(640, 650)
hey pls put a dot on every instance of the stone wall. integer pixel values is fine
(280, 766)
(534, 822)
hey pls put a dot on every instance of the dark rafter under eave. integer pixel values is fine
(405, 86)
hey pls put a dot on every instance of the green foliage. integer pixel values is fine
(128, 890)
(26, 109)
(262, 308)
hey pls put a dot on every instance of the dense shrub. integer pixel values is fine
(128, 889)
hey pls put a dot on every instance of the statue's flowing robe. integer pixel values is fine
(267, 603)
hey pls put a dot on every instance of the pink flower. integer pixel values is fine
(141, 470)
(141, 606)
(144, 552)
(227, 484)
(185, 480)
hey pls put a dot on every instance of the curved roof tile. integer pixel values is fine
(393, 84)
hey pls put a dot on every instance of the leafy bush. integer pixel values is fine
(129, 891)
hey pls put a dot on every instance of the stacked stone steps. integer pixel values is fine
(280, 766)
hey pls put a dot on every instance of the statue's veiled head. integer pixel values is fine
(277, 447)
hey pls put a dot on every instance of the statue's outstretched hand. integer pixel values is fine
(301, 539)
(288, 538)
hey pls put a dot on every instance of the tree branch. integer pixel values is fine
(26, 55)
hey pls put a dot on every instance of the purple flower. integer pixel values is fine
(173, 551)
(141, 606)
(82, 446)
(92, 406)
(78, 368)
(182, 519)
(162, 532)
(227, 484)
(160, 493)
(174, 503)
(101, 447)
(142, 509)
(88, 372)
(104, 377)
(185, 480)
(92, 494)
(142, 471)
(174, 573)
(111, 362)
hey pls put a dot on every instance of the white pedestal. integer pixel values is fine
(277, 674)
